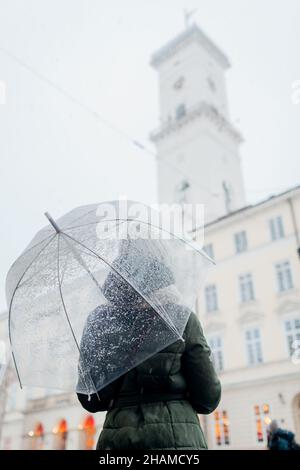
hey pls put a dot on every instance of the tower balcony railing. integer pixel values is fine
(200, 110)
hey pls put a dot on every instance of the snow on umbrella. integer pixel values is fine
(95, 294)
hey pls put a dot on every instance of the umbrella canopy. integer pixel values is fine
(96, 293)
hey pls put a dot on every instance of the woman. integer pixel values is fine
(155, 405)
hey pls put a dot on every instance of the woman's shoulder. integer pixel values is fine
(187, 315)
(193, 330)
(193, 320)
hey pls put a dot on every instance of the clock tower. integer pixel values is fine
(197, 146)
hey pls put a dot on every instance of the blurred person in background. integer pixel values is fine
(280, 439)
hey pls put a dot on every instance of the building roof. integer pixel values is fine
(243, 210)
(192, 33)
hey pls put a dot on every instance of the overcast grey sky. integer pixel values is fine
(54, 155)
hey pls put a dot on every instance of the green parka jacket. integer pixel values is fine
(155, 405)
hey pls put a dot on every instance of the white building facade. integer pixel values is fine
(250, 312)
(250, 304)
(36, 419)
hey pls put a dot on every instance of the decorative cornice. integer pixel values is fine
(289, 305)
(213, 326)
(248, 211)
(49, 402)
(266, 379)
(202, 110)
(249, 316)
(193, 33)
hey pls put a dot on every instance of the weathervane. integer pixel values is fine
(188, 15)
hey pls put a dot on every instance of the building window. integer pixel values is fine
(179, 83)
(211, 298)
(87, 433)
(246, 287)
(60, 435)
(240, 240)
(181, 191)
(253, 346)
(292, 332)
(262, 420)
(221, 428)
(216, 345)
(211, 83)
(284, 276)
(180, 111)
(276, 228)
(209, 250)
(37, 437)
(228, 193)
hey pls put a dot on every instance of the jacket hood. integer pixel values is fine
(140, 276)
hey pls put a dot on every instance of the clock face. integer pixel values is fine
(179, 83)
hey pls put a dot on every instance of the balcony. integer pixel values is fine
(201, 110)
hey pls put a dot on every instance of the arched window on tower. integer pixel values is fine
(87, 433)
(211, 84)
(180, 111)
(60, 432)
(227, 191)
(181, 191)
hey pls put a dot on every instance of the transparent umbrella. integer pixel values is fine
(96, 293)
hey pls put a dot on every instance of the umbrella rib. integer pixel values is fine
(81, 216)
(68, 319)
(27, 250)
(36, 273)
(83, 264)
(11, 302)
(97, 222)
(123, 277)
